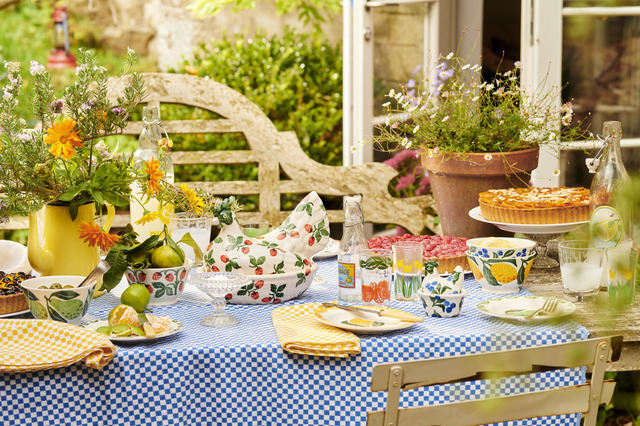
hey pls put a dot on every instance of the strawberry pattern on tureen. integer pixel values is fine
(285, 250)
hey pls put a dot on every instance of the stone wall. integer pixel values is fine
(167, 30)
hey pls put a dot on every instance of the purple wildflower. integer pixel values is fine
(57, 105)
(118, 111)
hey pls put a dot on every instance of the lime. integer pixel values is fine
(166, 257)
(106, 330)
(137, 331)
(142, 318)
(137, 296)
(122, 330)
(123, 315)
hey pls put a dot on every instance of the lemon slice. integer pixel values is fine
(492, 242)
(606, 227)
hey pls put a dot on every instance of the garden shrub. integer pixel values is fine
(295, 79)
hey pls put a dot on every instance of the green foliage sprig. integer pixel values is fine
(295, 80)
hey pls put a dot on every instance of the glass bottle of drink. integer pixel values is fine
(352, 241)
(610, 213)
(149, 148)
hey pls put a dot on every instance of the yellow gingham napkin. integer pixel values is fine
(300, 332)
(31, 345)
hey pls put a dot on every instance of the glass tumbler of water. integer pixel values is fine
(407, 269)
(198, 227)
(581, 268)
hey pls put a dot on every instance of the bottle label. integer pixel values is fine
(606, 227)
(346, 275)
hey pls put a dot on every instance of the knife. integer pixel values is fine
(404, 316)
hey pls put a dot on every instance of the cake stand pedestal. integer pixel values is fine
(541, 234)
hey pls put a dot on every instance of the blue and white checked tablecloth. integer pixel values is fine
(241, 375)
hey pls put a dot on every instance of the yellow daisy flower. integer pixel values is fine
(196, 203)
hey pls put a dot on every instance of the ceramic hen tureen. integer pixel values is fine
(277, 263)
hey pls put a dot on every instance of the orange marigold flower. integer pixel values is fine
(155, 176)
(94, 236)
(102, 118)
(63, 138)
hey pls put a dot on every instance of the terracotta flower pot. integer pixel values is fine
(457, 179)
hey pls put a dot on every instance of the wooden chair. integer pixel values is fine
(593, 353)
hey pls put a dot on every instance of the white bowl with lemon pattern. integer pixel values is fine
(500, 275)
(500, 248)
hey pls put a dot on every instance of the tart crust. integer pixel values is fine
(13, 303)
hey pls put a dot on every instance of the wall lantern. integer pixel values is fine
(60, 56)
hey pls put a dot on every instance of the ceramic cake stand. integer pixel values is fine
(541, 234)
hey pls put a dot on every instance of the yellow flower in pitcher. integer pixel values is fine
(612, 274)
(95, 236)
(63, 138)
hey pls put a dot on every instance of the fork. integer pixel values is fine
(548, 307)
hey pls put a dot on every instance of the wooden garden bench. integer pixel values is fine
(276, 154)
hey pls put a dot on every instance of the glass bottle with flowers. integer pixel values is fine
(474, 135)
(189, 204)
(63, 165)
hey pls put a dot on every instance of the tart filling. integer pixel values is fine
(535, 205)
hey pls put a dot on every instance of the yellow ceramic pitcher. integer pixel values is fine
(61, 251)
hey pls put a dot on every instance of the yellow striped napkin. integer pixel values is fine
(300, 332)
(31, 345)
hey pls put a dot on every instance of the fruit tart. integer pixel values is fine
(535, 205)
(12, 299)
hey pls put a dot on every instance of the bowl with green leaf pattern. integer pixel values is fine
(58, 297)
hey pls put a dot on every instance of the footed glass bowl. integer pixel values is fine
(217, 285)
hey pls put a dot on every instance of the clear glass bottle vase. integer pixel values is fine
(149, 149)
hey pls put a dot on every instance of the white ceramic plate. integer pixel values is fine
(521, 306)
(94, 325)
(13, 314)
(329, 251)
(553, 228)
(340, 318)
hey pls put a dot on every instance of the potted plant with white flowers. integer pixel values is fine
(473, 135)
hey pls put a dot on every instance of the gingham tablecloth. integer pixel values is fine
(241, 376)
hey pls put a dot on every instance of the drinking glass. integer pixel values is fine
(217, 285)
(407, 269)
(199, 227)
(622, 265)
(581, 268)
(376, 275)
